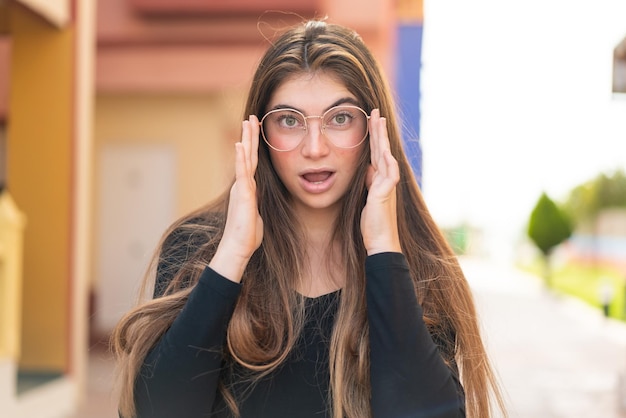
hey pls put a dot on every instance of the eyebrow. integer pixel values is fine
(343, 100)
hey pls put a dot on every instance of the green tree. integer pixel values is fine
(548, 227)
(587, 200)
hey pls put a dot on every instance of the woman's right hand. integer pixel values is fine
(243, 231)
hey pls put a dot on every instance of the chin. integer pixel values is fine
(319, 203)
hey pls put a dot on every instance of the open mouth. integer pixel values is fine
(318, 181)
(317, 177)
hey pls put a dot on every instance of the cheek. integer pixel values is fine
(280, 162)
(350, 168)
(360, 163)
(351, 159)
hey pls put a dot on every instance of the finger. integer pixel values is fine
(240, 162)
(391, 167)
(255, 132)
(246, 142)
(383, 141)
(374, 131)
(383, 137)
(380, 142)
(382, 164)
(392, 170)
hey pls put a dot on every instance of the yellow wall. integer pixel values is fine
(39, 140)
(201, 128)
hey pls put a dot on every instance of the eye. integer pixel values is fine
(341, 118)
(289, 119)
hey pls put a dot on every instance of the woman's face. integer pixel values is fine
(316, 172)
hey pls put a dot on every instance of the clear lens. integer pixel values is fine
(344, 126)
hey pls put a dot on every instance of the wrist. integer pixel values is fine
(383, 247)
(229, 264)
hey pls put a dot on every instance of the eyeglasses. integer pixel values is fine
(345, 126)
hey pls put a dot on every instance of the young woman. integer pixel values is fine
(319, 286)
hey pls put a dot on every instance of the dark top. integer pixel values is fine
(181, 374)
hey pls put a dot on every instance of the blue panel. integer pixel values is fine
(409, 62)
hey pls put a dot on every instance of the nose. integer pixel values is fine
(315, 144)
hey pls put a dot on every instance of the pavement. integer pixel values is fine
(555, 356)
(99, 400)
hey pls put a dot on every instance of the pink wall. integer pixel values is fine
(182, 52)
(219, 6)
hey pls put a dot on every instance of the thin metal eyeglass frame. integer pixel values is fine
(306, 126)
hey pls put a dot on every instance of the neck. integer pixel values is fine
(325, 268)
(318, 225)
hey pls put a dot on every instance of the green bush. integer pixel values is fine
(548, 227)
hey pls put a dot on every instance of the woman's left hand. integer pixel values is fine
(379, 224)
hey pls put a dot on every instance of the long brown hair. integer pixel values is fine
(268, 316)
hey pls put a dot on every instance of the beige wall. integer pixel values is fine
(202, 128)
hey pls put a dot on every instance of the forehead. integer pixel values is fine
(311, 92)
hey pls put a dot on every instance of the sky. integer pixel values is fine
(516, 101)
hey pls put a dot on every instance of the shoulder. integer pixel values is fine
(182, 243)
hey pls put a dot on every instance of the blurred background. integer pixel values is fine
(119, 116)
